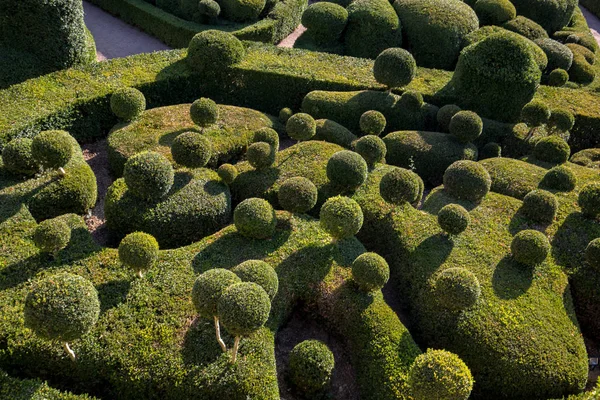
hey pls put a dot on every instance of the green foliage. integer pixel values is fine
(347, 170)
(581, 70)
(285, 114)
(127, 104)
(210, 8)
(467, 180)
(341, 217)
(208, 289)
(370, 271)
(311, 366)
(400, 186)
(372, 123)
(227, 173)
(33, 389)
(138, 251)
(535, 113)
(52, 149)
(551, 14)
(269, 136)
(490, 150)
(260, 155)
(242, 10)
(588, 158)
(592, 254)
(371, 148)
(589, 200)
(204, 112)
(456, 288)
(325, 21)
(540, 206)
(530, 247)
(243, 308)
(526, 27)
(453, 219)
(259, 272)
(297, 195)
(148, 175)
(411, 100)
(445, 114)
(552, 149)
(17, 157)
(558, 77)
(332, 132)
(561, 121)
(301, 126)
(466, 126)
(52, 235)
(441, 375)
(559, 178)
(559, 55)
(212, 51)
(494, 12)
(191, 149)
(394, 67)
(255, 218)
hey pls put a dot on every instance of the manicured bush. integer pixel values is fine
(52, 149)
(370, 271)
(341, 217)
(227, 173)
(259, 272)
(453, 219)
(441, 375)
(347, 170)
(490, 150)
(204, 112)
(445, 114)
(467, 180)
(456, 288)
(592, 254)
(297, 195)
(311, 367)
(138, 251)
(371, 148)
(540, 206)
(494, 12)
(332, 132)
(561, 121)
(255, 218)
(559, 55)
(552, 15)
(399, 186)
(285, 114)
(530, 247)
(552, 149)
(213, 51)
(191, 149)
(260, 155)
(208, 289)
(372, 123)
(559, 178)
(52, 235)
(581, 70)
(148, 175)
(17, 157)
(411, 100)
(587, 54)
(558, 77)
(535, 113)
(241, 10)
(394, 67)
(466, 126)
(589, 200)
(210, 8)
(325, 21)
(127, 104)
(269, 136)
(526, 27)
(588, 158)
(301, 127)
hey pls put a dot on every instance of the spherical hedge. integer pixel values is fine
(260, 155)
(301, 127)
(394, 67)
(445, 114)
(467, 180)
(411, 100)
(208, 289)
(341, 217)
(494, 12)
(561, 120)
(440, 375)
(311, 365)
(453, 219)
(466, 126)
(242, 10)
(399, 186)
(17, 157)
(370, 271)
(62, 307)
(559, 178)
(191, 149)
(490, 150)
(267, 135)
(372, 123)
(589, 200)
(204, 112)
(297, 195)
(552, 15)
(552, 149)
(530, 247)
(558, 77)
(227, 173)
(371, 148)
(526, 27)
(148, 175)
(259, 272)
(52, 149)
(540, 206)
(347, 169)
(138, 251)
(592, 254)
(285, 114)
(210, 8)
(456, 289)
(213, 51)
(325, 21)
(255, 218)
(559, 55)
(535, 113)
(127, 104)
(244, 308)
(52, 235)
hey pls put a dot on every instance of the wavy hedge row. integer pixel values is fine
(26, 389)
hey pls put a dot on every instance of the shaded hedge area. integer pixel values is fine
(27, 389)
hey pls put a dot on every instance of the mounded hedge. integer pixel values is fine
(552, 15)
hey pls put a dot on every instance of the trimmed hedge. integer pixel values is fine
(332, 132)
(526, 27)
(26, 389)
(259, 272)
(347, 170)
(311, 367)
(255, 218)
(530, 247)
(551, 14)
(467, 180)
(297, 195)
(52, 235)
(17, 157)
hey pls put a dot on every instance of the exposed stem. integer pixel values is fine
(70, 352)
(62, 171)
(140, 274)
(236, 344)
(218, 333)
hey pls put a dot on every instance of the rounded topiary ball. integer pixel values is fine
(127, 104)
(227, 173)
(552, 149)
(52, 235)
(558, 77)
(440, 375)
(399, 186)
(285, 114)
(260, 155)
(561, 120)
(372, 122)
(311, 365)
(559, 55)
(213, 51)
(592, 254)
(453, 219)
(191, 149)
(17, 157)
(259, 272)
(325, 21)
(559, 178)
(411, 100)
(394, 67)
(297, 195)
(138, 251)
(52, 149)
(467, 180)
(347, 169)
(494, 12)
(301, 126)
(490, 150)
(371, 148)
(589, 200)
(148, 175)
(341, 217)
(244, 308)
(208, 289)
(540, 206)
(255, 218)
(456, 288)
(466, 126)
(370, 271)
(204, 112)
(445, 114)
(530, 247)
(535, 113)
(267, 135)
(62, 307)
(210, 8)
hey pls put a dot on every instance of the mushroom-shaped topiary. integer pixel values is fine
(453, 219)
(17, 157)
(243, 309)
(445, 114)
(204, 112)
(592, 254)
(561, 121)
(208, 289)
(255, 218)
(535, 114)
(371, 148)
(552, 149)
(267, 135)
(52, 235)
(467, 180)
(400, 186)
(466, 126)
(394, 67)
(311, 366)
(347, 170)
(52, 149)
(285, 114)
(589, 200)
(456, 289)
(325, 21)
(411, 100)
(260, 155)
(127, 104)
(62, 307)
(372, 123)
(440, 375)
(370, 271)
(540, 206)
(559, 178)
(301, 127)
(148, 175)
(530, 247)
(490, 150)
(494, 12)
(341, 217)
(191, 149)
(259, 272)
(138, 251)
(227, 173)
(558, 77)
(213, 51)
(297, 195)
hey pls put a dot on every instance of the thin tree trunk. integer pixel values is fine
(218, 333)
(140, 274)
(236, 344)
(70, 352)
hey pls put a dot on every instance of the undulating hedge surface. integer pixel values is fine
(33, 389)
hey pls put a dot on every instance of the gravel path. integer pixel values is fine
(593, 22)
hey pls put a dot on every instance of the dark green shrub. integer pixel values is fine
(584, 39)
(440, 375)
(587, 54)
(370, 271)
(530, 247)
(227, 173)
(561, 121)
(52, 149)
(372, 123)
(540, 206)
(589, 200)
(490, 150)
(453, 219)
(297, 195)
(456, 288)
(347, 170)
(204, 112)
(17, 157)
(325, 21)
(311, 367)
(588, 158)
(269, 136)
(260, 155)
(592, 254)
(241, 10)
(255, 218)
(341, 217)
(301, 127)
(399, 186)
(213, 51)
(259, 272)
(138, 251)
(559, 178)
(394, 67)
(127, 104)
(581, 70)
(371, 148)
(494, 12)
(52, 235)
(208, 289)
(148, 175)
(559, 55)
(535, 113)
(551, 14)
(552, 149)
(445, 114)
(526, 27)
(191, 149)
(411, 100)
(332, 132)
(467, 180)
(210, 8)
(285, 114)
(558, 77)
(466, 126)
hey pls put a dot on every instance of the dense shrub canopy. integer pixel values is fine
(370, 271)
(204, 112)
(325, 21)
(466, 126)
(17, 157)
(208, 289)
(559, 178)
(494, 12)
(267, 135)
(301, 126)
(227, 173)
(212, 51)
(148, 175)
(490, 150)
(530, 247)
(399, 186)
(127, 104)
(592, 254)
(259, 272)
(559, 55)
(551, 14)
(394, 67)
(255, 218)
(372, 123)
(52, 235)
(552, 149)
(456, 289)
(243, 308)
(347, 169)
(311, 366)
(526, 27)
(445, 114)
(589, 200)
(341, 217)
(535, 113)
(454, 219)
(191, 149)
(297, 195)
(260, 155)
(371, 148)
(467, 180)
(540, 206)
(138, 251)
(52, 149)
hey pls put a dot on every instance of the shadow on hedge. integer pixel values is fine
(511, 280)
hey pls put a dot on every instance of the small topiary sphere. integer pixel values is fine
(394, 67)
(535, 113)
(454, 219)
(52, 149)
(267, 135)
(490, 150)
(592, 254)
(311, 366)
(138, 251)
(530, 247)
(540, 206)
(552, 149)
(559, 55)
(325, 21)
(411, 100)
(298, 195)
(466, 126)
(191, 149)
(62, 307)
(204, 112)
(341, 217)
(285, 114)
(213, 51)
(440, 375)
(370, 271)
(445, 114)
(399, 186)
(259, 272)
(227, 173)
(372, 123)
(589, 200)
(494, 12)
(301, 126)
(371, 148)
(127, 104)
(148, 175)
(467, 180)
(456, 288)
(347, 169)
(244, 308)
(210, 8)
(208, 289)
(255, 218)
(52, 235)
(260, 155)
(561, 120)
(17, 157)
(558, 77)
(559, 178)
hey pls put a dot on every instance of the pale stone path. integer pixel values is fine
(593, 22)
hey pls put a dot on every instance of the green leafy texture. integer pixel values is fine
(592, 254)
(581, 70)
(227, 173)
(394, 67)
(455, 289)
(588, 158)
(204, 112)
(411, 100)
(559, 178)
(490, 150)
(589, 200)
(332, 132)
(269, 136)
(494, 12)
(467, 180)
(127, 104)
(298, 195)
(28, 389)
(242, 10)
(341, 217)
(148, 176)
(212, 51)
(210, 8)
(138, 251)
(453, 219)
(400, 186)
(311, 366)
(243, 308)
(466, 126)
(191, 149)
(530, 247)
(526, 27)
(260, 155)
(285, 114)
(588, 54)
(259, 272)
(325, 21)
(372, 122)
(52, 149)
(559, 55)
(535, 113)
(370, 271)
(540, 206)
(445, 114)
(561, 121)
(558, 77)
(208, 289)
(301, 126)
(551, 14)
(552, 149)
(52, 235)
(255, 218)
(371, 148)
(347, 170)
(17, 157)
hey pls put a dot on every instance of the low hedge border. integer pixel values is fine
(27, 389)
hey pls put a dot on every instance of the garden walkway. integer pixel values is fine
(593, 22)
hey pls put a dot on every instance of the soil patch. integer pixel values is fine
(96, 155)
